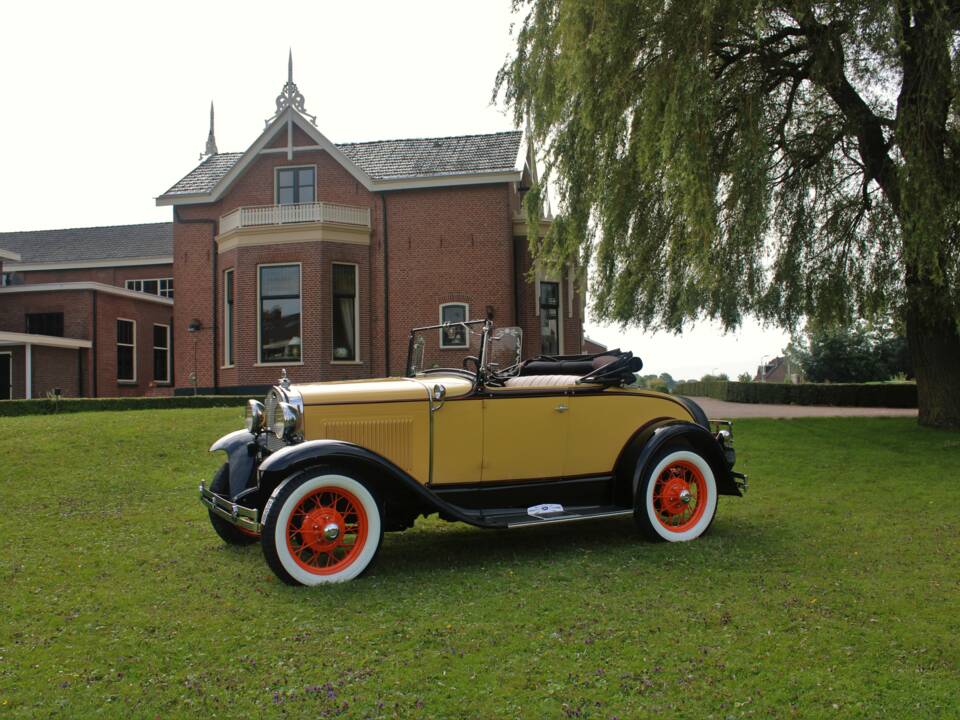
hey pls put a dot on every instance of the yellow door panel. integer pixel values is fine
(399, 431)
(600, 425)
(524, 437)
(458, 442)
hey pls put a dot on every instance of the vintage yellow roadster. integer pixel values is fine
(322, 470)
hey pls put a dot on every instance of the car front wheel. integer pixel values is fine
(677, 497)
(321, 526)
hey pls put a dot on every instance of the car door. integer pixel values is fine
(524, 435)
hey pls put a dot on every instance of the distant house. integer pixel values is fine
(592, 347)
(775, 371)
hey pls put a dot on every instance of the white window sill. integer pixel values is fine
(346, 362)
(126, 382)
(227, 367)
(291, 363)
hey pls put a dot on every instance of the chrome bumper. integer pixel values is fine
(741, 481)
(243, 517)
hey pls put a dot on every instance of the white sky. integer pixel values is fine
(106, 104)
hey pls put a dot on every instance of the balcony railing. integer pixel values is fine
(260, 215)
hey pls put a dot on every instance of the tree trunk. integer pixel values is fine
(935, 350)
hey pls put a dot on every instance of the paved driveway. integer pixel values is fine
(721, 409)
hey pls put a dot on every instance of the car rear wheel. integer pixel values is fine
(321, 526)
(229, 533)
(677, 497)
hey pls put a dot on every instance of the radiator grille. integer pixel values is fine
(388, 437)
(270, 409)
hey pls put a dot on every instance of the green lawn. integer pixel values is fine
(832, 589)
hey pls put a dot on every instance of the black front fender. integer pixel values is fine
(702, 441)
(390, 480)
(241, 450)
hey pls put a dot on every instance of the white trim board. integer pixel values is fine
(83, 264)
(15, 338)
(9, 255)
(74, 286)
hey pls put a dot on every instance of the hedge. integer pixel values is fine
(44, 406)
(894, 395)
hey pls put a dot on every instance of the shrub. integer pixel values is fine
(898, 395)
(44, 406)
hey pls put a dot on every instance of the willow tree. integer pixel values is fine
(721, 157)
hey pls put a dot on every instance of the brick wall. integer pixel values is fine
(109, 276)
(445, 245)
(56, 367)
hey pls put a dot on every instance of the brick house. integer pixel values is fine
(318, 257)
(87, 311)
(296, 253)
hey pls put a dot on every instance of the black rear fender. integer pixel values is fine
(649, 441)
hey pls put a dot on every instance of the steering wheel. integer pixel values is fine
(474, 359)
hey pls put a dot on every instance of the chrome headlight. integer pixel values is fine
(286, 418)
(253, 416)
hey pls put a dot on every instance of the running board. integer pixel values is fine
(573, 514)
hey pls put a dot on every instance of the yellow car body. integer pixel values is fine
(328, 465)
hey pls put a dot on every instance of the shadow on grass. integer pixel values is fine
(438, 548)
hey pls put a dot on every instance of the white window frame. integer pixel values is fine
(466, 318)
(127, 381)
(276, 181)
(356, 315)
(132, 285)
(229, 362)
(285, 363)
(169, 349)
(10, 365)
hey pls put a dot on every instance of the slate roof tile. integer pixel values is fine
(94, 243)
(391, 159)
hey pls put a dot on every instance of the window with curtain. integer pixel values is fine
(344, 312)
(549, 318)
(126, 351)
(454, 336)
(161, 353)
(280, 336)
(228, 317)
(296, 185)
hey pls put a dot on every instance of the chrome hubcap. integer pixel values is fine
(331, 531)
(685, 496)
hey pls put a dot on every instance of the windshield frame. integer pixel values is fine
(487, 325)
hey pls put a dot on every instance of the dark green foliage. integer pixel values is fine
(855, 354)
(790, 160)
(894, 395)
(13, 408)
(744, 377)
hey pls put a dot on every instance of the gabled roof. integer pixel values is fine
(79, 245)
(383, 164)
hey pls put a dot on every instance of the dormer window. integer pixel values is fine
(296, 185)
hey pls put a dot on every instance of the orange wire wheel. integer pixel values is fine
(326, 530)
(680, 496)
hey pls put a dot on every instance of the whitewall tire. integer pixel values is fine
(676, 498)
(321, 526)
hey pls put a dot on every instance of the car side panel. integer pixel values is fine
(524, 437)
(601, 425)
(398, 431)
(458, 441)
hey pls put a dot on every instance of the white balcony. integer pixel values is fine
(318, 212)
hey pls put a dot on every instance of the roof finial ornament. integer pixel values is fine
(211, 148)
(290, 95)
